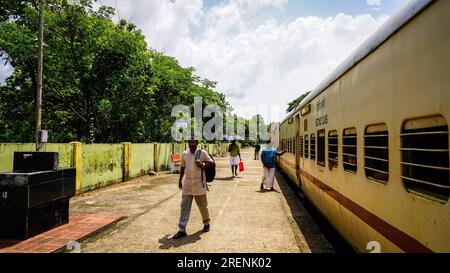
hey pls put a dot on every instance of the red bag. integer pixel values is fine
(241, 166)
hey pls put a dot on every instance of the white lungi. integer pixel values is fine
(268, 177)
(234, 161)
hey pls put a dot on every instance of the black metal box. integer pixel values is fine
(21, 224)
(35, 161)
(34, 198)
(29, 190)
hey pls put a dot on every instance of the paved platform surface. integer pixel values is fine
(244, 220)
(79, 227)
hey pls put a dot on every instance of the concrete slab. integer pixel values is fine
(79, 227)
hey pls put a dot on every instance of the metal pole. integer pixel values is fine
(39, 147)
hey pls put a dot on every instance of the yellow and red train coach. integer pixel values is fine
(370, 146)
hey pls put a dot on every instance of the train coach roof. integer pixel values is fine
(398, 20)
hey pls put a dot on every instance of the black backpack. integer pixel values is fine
(209, 171)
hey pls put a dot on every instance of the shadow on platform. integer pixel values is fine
(314, 228)
(167, 242)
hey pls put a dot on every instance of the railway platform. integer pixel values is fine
(244, 220)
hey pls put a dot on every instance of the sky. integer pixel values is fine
(262, 53)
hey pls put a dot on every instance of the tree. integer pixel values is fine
(10, 9)
(295, 103)
(102, 83)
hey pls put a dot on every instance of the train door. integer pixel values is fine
(297, 150)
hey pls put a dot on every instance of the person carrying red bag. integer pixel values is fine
(241, 166)
(235, 157)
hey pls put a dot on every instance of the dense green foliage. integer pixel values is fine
(292, 105)
(102, 83)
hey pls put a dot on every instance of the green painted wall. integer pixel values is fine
(212, 149)
(65, 153)
(7, 152)
(142, 159)
(102, 165)
(164, 151)
(179, 148)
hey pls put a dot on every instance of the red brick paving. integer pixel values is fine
(80, 226)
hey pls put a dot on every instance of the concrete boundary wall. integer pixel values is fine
(142, 159)
(7, 152)
(100, 165)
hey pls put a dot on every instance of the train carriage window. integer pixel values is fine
(306, 146)
(425, 158)
(313, 147)
(376, 147)
(333, 149)
(350, 150)
(301, 146)
(321, 148)
(294, 146)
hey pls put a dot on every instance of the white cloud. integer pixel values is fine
(5, 72)
(373, 2)
(256, 59)
(163, 22)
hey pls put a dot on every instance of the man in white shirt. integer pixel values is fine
(193, 161)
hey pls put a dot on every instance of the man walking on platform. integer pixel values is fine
(194, 186)
(235, 154)
(268, 156)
